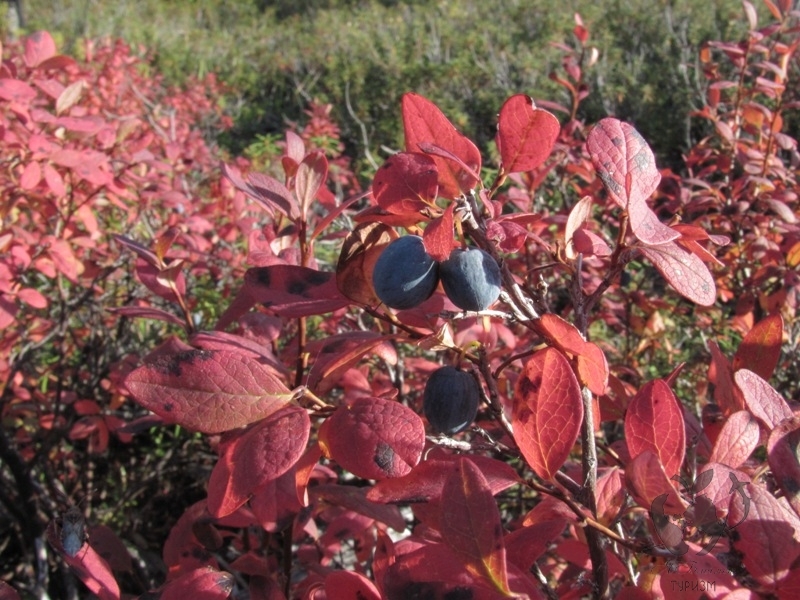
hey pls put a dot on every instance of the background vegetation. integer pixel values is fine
(361, 55)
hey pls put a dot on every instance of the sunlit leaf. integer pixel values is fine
(548, 410)
(525, 134)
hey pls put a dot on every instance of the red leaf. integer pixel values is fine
(206, 583)
(761, 399)
(468, 173)
(726, 394)
(471, 524)
(684, 271)
(425, 482)
(783, 460)
(89, 566)
(15, 90)
(39, 46)
(737, 440)
(592, 363)
(626, 165)
(31, 176)
(424, 122)
(525, 134)
(767, 532)
(760, 349)
(526, 544)
(286, 290)
(335, 354)
(267, 191)
(406, 183)
(718, 489)
(259, 455)
(355, 499)
(347, 585)
(654, 423)
(374, 438)
(310, 176)
(646, 481)
(548, 410)
(438, 235)
(64, 258)
(610, 495)
(208, 391)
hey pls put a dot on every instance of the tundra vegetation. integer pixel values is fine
(206, 391)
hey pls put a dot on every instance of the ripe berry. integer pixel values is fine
(405, 275)
(471, 279)
(450, 401)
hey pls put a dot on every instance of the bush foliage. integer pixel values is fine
(202, 393)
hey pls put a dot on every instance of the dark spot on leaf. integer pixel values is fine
(617, 142)
(416, 590)
(297, 288)
(384, 457)
(530, 386)
(168, 407)
(459, 593)
(360, 596)
(317, 278)
(172, 364)
(261, 276)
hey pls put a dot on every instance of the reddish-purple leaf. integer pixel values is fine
(205, 583)
(718, 489)
(275, 505)
(727, 396)
(39, 46)
(208, 391)
(349, 585)
(221, 340)
(526, 544)
(737, 440)
(684, 271)
(627, 168)
(471, 524)
(548, 410)
(7, 592)
(259, 455)
(592, 363)
(15, 90)
(610, 494)
(767, 531)
(784, 461)
(286, 290)
(525, 134)
(374, 438)
(654, 423)
(310, 176)
(267, 191)
(468, 172)
(355, 499)
(425, 482)
(761, 347)
(438, 235)
(406, 183)
(335, 354)
(424, 122)
(761, 399)
(31, 176)
(646, 481)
